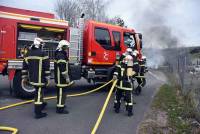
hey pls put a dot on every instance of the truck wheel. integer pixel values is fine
(21, 88)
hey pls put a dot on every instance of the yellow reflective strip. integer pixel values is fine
(24, 76)
(24, 71)
(47, 72)
(65, 85)
(40, 71)
(37, 84)
(124, 88)
(33, 58)
(45, 57)
(58, 74)
(65, 72)
(60, 96)
(66, 67)
(38, 103)
(64, 61)
(132, 98)
(60, 105)
(39, 95)
(130, 104)
(36, 58)
(26, 60)
(118, 66)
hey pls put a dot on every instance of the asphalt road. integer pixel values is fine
(83, 110)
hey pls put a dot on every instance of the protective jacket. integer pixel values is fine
(61, 69)
(36, 67)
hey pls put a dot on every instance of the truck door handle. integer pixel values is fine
(93, 54)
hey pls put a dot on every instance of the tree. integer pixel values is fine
(116, 21)
(71, 10)
(94, 9)
(68, 10)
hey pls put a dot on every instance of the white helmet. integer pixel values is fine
(129, 50)
(128, 59)
(38, 42)
(61, 44)
(131, 36)
(135, 53)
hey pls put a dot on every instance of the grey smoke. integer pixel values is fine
(163, 23)
(156, 32)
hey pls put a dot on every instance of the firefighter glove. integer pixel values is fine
(114, 77)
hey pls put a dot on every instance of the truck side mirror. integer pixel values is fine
(139, 36)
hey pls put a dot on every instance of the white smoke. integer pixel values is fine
(163, 23)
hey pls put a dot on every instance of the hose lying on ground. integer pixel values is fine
(11, 129)
(15, 130)
(103, 109)
(54, 97)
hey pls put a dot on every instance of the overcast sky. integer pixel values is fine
(182, 17)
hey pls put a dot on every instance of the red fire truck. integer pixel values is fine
(94, 45)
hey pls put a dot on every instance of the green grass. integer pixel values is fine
(167, 100)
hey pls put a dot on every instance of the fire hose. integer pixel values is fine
(11, 129)
(14, 130)
(103, 109)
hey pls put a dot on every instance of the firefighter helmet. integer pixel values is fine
(62, 44)
(38, 42)
(129, 50)
(135, 53)
(144, 58)
(128, 59)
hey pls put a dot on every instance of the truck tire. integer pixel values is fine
(22, 89)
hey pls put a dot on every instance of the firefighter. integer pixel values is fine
(134, 54)
(123, 73)
(36, 70)
(62, 77)
(141, 80)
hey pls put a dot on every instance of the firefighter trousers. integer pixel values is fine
(39, 102)
(141, 83)
(128, 98)
(61, 97)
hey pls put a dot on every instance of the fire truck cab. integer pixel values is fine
(102, 43)
(92, 54)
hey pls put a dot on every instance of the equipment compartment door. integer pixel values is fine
(7, 46)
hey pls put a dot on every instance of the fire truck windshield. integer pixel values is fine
(129, 39)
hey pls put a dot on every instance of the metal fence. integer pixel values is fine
(185, 66)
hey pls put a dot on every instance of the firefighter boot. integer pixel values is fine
(117, 107)
(61, 110)
(138, 90)
(38, 112)
(44, 104)
(130, 110)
